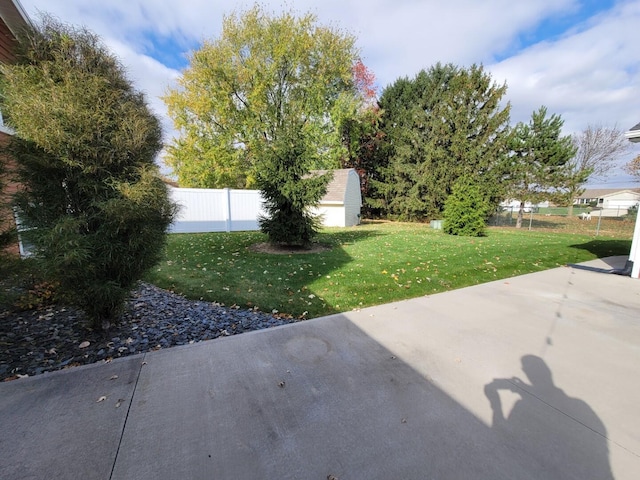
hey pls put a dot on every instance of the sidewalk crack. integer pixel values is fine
(126, 418)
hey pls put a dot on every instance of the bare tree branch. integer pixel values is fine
(597, 148)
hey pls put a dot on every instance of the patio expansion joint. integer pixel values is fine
(126, 418)
(610, 440)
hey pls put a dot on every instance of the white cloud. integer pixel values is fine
(590, 76)
(150, 77)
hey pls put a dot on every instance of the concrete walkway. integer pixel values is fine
(532, 377)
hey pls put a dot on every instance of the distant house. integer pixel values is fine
(341, 205)
(633, 134)
(12, 19)
(610, 198)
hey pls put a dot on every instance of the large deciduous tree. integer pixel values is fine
(85, 144)
(539, 163)
(597, 148)
(263, 76)
(445, 123)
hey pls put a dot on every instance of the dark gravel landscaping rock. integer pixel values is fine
(56, 337)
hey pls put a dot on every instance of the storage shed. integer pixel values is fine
(341, 205)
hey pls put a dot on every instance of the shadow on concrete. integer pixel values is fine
(324, 398)
(319, 399)
(556, 447)
(624, 270)
(66, 424)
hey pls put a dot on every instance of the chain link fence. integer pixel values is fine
(587, 221)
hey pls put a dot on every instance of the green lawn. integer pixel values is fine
(368, 265)
(577, 210)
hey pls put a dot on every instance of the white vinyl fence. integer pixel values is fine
(208, 210)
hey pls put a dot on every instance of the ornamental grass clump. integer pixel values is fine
(93, 204)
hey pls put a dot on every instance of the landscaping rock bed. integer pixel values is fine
(57, 337)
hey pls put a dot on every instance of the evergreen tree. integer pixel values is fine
(466, 209)
(85, 145)
(444, 123)
(539, 164)
(289, 191)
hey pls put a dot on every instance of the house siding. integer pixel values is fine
(12, 20)
(9, 187)
(7, 44)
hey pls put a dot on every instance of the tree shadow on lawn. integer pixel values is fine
(325, 242)
(347, 236)
(302, 299)
(605, 247)
(287, 274)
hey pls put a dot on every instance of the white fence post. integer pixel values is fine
(227, 208)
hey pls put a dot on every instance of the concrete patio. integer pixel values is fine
(533, 377)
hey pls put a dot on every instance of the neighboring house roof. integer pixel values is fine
(604, 192)
(337, 188)
(633, 134)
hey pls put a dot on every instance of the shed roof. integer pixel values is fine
(337, 188)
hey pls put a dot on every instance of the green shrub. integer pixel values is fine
(94, 204)
(466, 209)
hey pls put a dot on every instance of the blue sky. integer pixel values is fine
(554, 27)
(577, 57)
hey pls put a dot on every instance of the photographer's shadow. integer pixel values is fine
(551, 434)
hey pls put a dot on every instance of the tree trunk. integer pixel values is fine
(520, 215)
(570, 209)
